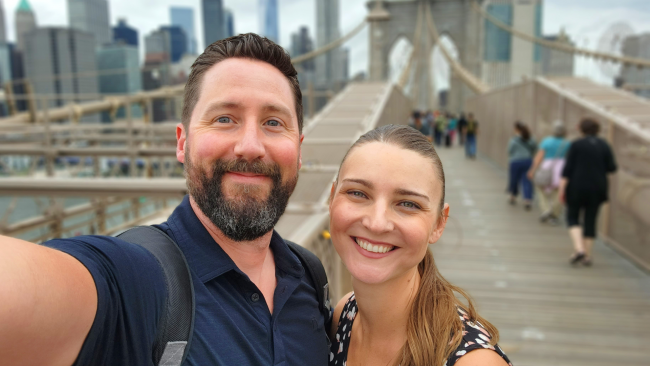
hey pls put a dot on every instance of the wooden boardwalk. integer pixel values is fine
(517, 270)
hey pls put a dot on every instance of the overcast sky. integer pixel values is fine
(584, 20)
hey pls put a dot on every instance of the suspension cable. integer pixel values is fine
(467, 77)
(627, 61)
(329, 46)
(404, 76)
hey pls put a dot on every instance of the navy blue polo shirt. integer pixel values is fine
(233, 325)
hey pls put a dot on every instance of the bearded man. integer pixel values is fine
(96, 300)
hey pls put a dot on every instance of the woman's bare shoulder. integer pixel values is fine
(482, 357)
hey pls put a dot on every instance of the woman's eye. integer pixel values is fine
(409, 204)
(273, 123)
(224, 120)
(357, 194)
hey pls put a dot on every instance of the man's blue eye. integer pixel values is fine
(273, 123)
(223, 119)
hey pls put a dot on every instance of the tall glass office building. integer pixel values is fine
(184, 17)
(268, 19)
(213, 24)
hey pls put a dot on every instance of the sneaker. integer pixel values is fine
(554, 221)
(576, 257)
(587, 262)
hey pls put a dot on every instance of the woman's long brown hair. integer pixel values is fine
(434, 328)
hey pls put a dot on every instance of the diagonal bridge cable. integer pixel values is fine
(329, 46)
(406, 72)
(627, 61)
(466, 76)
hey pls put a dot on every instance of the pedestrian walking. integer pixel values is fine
(546, 173)
(421, 124)
(440, 127)
(470, 131)
(521, 149)
(584, 187)
(451, 129)
(462, 123)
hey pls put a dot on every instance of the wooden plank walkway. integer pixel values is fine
(517, 270)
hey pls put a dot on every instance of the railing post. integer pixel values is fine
(100, 216)
(31, 102)
(49, 152)
(55, 213)
(9, 96)
(131, 144)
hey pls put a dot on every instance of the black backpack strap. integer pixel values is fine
(315, 268)
(177, 323)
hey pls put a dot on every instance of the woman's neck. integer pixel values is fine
(383, 310)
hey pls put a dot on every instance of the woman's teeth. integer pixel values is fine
(375, 248)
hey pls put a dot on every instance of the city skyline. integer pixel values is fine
(583, 20)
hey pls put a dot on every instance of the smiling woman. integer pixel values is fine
(386, 207)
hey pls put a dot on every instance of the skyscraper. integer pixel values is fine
(329, 67)
(184, 18)
(302, 43)
(229, 22)
(213, 27)
(506, 58)
(555, 62)
(122, 33)
(268, 19)
(177, 42)
(157, 45)
(25, 23)
(91, 16)
(121, 65)
(637, 46)
(61, 61)
(3, 29)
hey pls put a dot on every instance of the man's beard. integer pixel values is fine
(243, 217)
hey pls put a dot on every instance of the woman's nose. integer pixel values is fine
(378, 219)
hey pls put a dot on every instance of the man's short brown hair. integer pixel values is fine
(249, 46)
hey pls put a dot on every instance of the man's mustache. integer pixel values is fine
(257, 167)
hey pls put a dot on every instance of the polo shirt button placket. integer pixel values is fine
(255, 297)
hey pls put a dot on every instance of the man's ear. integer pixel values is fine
(302, 138)
(181, 136)
(440, 225)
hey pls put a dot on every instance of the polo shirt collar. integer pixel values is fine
(205, 256)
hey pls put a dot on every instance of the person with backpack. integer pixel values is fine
(585, 187)
(247, 297)
(521, 150)
(546, 173)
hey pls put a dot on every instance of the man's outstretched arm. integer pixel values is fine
(47, 307)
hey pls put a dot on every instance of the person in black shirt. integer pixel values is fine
(584, 187)
(462, 123)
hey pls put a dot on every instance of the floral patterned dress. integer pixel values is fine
(474, 337)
